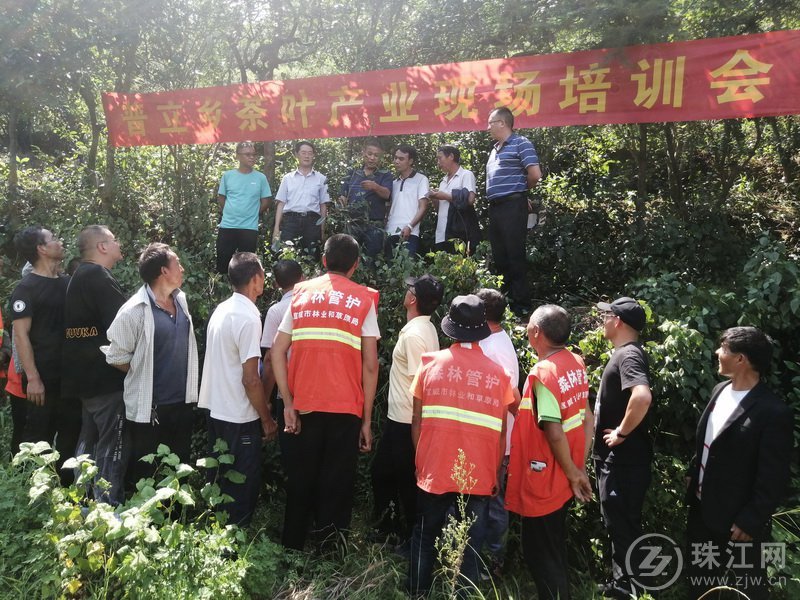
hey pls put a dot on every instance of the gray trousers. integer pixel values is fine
(102, 439)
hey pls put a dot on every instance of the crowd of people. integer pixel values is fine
(386, 208)
(112, 377)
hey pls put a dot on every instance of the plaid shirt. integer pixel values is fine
(131, 336)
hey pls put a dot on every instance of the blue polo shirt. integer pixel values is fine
(355, 194)
(506, 170)
(170, 353)
(243, 193)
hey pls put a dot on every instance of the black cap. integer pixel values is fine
(466, 320)
(428, 289)
(628, 310)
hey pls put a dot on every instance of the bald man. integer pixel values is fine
(93, 298)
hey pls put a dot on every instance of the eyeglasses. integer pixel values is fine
(412, 290)
(495, 121)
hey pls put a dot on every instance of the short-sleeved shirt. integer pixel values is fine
(42, 299)
(243, 193)
(417, 337)
(499, 347)
(357, 195)
(233, 336)
(273, 319)
(92, 301)
(170, 352)
(303, 193)
(406, 194)
(460, 179)
(627, 368)
(507, 167)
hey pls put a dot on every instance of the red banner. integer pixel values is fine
(743, 76)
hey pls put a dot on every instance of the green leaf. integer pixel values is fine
(235, 476)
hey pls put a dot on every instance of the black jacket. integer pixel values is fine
(462, 220)
(748, 464)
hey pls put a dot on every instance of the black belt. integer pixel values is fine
(301, 215)
(507, 197)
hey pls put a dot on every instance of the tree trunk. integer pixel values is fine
(269, 147)
(785, 156)
(641, 176)
(13, 176)
(87, 94)
(674, 171)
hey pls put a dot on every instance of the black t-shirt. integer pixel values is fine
(42, 299)
(93, 299)
(627, 368)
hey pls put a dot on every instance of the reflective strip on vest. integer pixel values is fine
(526, 404)
(574, 421)
(328, 334)
(460, 415)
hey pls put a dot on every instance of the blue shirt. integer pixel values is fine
(243, 193)
(506, 170)
(170, 353)
(351, 188)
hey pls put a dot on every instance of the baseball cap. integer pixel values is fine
(628, 310)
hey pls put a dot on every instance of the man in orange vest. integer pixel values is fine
(549, 446)
(328, 388)
(461, 398)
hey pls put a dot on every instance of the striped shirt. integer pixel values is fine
(131, 336)
(506, 170)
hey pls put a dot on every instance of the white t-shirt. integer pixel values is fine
(726, 403)
(273, 319)
(232, 338)
(499, 347)
(406, 194)
(460, 179)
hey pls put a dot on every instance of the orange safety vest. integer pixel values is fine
(14, 381)
(537, 485)
(328, 313)
(464, 396)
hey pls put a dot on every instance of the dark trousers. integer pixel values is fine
(432, 511)
(621, 490)
(321, 477)
(244, 443)
(508, 219)
(286, 441)
(102, 438)
(231, 241)
(57, 421)
(302, 226)
(19, 414)
(745, 572)
(544, 548)
(371, 236)
(411, 244)
(171, 426)
(394, 481)
(497, 517)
